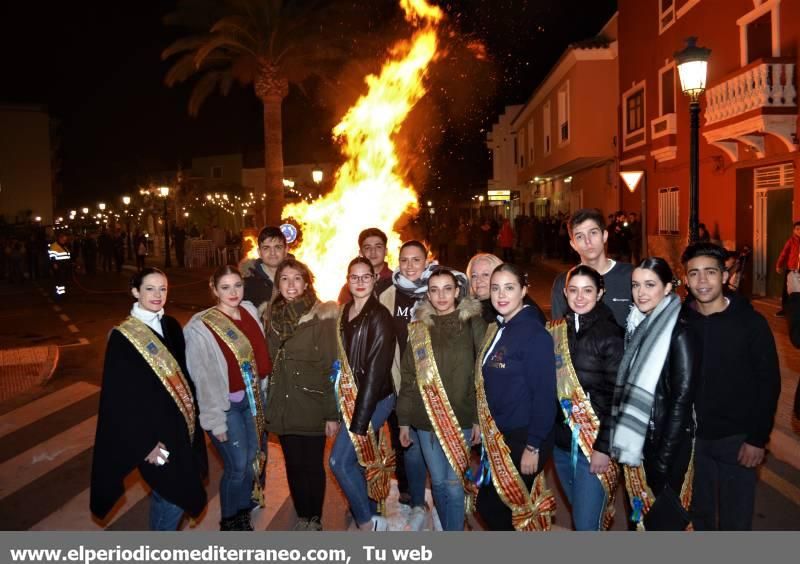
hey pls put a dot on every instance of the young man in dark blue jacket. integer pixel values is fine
(737, 393)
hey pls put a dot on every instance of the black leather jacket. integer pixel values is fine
(596, 350)
(370, 345)
(672, 424)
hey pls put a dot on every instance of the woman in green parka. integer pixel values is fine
(439, 360)
(301, 405)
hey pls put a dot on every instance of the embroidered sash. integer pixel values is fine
(437, 405)
(163, 364)
(376, 456)
(241, 348)
(578, 411)
(530, 511)
(642, 497)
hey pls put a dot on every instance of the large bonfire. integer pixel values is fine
(369, 190)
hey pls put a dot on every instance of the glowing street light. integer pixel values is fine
(101, 206)
(85, 210)
(316, 176)
(126, 200)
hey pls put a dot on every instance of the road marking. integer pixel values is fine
(34, 463)
(73, 328)
(64, 317)
(43, 407)
(783, 486)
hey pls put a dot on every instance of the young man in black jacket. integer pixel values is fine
(737, 393)
(259, 274)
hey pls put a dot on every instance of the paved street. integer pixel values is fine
(47, 422)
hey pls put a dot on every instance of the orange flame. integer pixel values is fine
(251, 243)
(368, 190)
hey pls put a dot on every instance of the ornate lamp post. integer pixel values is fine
(692, 65)
(164, 191)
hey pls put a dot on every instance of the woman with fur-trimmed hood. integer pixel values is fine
(301, 405)
(438, 369)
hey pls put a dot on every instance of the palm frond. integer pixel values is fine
(204, 87)
(222, 43)
(235, 26)
(189, 43)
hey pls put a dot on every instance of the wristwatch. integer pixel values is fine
(531, 449)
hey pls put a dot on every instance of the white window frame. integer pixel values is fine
(547, 127)
(686, 7)
(664, 13)
(670, 66)
(772, 6)
(642, 85)
(563, 93)
(669, 216)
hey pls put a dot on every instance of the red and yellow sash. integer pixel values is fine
(437, 405)
(377, 457)
(580, 415)
(642, 497)
(241, 348)
(530, 511)
(163, 364)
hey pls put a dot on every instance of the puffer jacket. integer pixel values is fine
(369, 343)
(456, 339)
(596, 349)
(300, 398)
(671, 428)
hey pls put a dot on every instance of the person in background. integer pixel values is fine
(444, 340)
(372, 246)
(737, 393)
(147, 417)
(229, 363)
(366, 345)
(788, 261)
(505, 240)
(479, 272)
(588, 237)
(515, 386)
(301, 404)
(590, 344)
(793, 308)
(654, 401)
(259, 274)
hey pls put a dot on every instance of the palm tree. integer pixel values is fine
(266, 43)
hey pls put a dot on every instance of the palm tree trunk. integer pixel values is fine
(273, 160)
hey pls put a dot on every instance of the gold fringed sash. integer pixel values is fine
(163, 364)
(376, 456)
(440, 412)
(242, 349)
(580, 415)
(642, 497)
(530, 511)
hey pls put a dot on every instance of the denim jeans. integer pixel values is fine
(238, 453)
(164, 516)
(583, 489)
(446, 486)
(721, 482)
(349, 473)
(416, 472)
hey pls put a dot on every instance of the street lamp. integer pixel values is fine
(128, 240)
(692, 65)
(164, 191)
(316, 176)
(101, 206)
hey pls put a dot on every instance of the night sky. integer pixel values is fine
(97, 67)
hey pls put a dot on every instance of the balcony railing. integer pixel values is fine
(766, 83)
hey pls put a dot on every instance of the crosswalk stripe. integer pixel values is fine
(38, 461)
(42, 407)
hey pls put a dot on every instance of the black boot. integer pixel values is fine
(229, 524)
(243, 522)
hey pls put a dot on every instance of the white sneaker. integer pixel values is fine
(416, 521)
(379, 524)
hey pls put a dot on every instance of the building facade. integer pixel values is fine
(748, 151)
(560, 151)
(26, 190)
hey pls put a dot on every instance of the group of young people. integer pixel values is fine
(428, 371)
